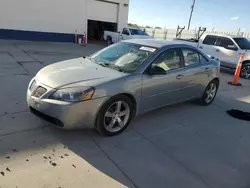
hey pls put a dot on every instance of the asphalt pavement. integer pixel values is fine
(180, 146)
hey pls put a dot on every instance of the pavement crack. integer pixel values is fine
(23, 67)
(22, 131)
(28, 54)
(113, 162)
(13, 113)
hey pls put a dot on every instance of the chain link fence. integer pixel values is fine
(188, 34)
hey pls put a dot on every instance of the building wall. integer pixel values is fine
(52, 16)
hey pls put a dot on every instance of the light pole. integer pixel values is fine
(191, 13)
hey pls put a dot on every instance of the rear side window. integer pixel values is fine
(210, 40)
(224, 42)
(192, 57)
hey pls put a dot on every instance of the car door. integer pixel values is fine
(228, 52)
(160, 90)
(208, 45)
(125, 34)
(197, 71)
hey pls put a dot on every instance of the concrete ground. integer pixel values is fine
(179, 146)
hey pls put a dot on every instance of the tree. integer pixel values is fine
(133, 25)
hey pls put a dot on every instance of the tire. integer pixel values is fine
(109, 40)
(109, 122)
(204, 99)
(245, 71)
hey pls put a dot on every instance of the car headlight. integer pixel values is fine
(73, 94)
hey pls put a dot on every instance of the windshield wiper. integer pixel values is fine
(104, 64)
(117, 68)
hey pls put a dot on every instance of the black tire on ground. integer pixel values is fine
(203, 98)
(109, 40)
(245, 67)
(100, 127)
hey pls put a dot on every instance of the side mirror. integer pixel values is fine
(211, 57)
(232, 47)
(155, 70)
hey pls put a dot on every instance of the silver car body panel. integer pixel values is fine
(148, 91)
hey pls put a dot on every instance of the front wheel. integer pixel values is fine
(210, 93)
(245, 71)
(115, 116)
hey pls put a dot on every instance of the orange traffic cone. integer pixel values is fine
(84, 39)
(237, 71)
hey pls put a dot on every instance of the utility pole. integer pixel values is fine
(191, 13)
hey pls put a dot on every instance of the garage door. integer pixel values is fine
(102, 11)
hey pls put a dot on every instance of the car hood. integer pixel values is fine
(74, 71)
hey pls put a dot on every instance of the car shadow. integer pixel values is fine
(94, 149)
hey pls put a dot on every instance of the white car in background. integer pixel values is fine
(226, 49)
(127, 33)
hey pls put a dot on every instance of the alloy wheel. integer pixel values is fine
(245, 72)
(210, 92)
(117, 116)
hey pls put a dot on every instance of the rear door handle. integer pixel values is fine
(179, 77)
(217, 50)
(201, 47)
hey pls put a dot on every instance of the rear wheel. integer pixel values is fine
(245, 71)
(109, 41)
(115, 116)
(210, 93)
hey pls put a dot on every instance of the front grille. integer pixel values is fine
(39, 92)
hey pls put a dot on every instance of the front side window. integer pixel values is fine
(137, 32)
(210, 40)
(192, 57)
(124, 56)
(125, 32)
(243, 43)
(168, 60)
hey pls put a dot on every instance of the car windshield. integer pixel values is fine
(137, 32)
(123, 56)
(243, 43)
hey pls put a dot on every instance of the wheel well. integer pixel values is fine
(109, 37)
(132, 98)
(245, 62)
(216, 80)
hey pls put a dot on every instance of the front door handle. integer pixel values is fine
(206, 69)
(179, 77)
(217, 50)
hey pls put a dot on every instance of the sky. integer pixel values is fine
(223, 15)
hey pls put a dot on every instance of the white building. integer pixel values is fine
(57, 20)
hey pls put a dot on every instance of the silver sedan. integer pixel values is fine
(108, 89)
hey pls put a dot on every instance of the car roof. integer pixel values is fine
(221, 35)
(157, 43)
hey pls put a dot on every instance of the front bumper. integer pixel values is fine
(64, 114)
